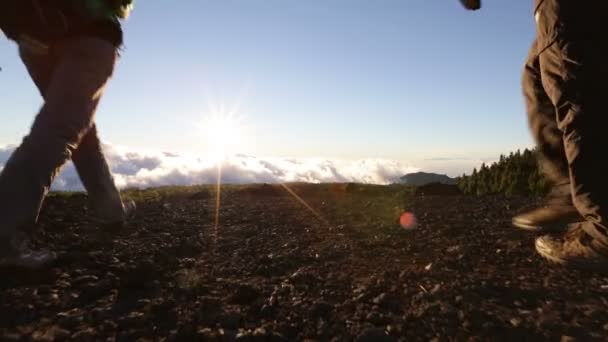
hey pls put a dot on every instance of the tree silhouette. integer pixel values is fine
(515, 174)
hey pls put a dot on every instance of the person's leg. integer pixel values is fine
(97, 179)
(558, 208)
(541, 119)
(83, 66)
(39, 65)
(572, 60)
(88, 158)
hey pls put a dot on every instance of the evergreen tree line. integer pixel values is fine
(515, 174)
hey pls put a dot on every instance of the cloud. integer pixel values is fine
(145, 169)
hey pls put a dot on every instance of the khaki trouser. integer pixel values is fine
(71, 77)
(566, 89)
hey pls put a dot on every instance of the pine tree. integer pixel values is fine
(515, 174)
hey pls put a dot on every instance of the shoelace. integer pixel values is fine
(575, 231)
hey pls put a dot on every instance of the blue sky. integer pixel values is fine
(403, 80)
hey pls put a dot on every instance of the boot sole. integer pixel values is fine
(544, 252)
(574, 264)
(549, 227)
(555, 226)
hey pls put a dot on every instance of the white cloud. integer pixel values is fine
(144, 169)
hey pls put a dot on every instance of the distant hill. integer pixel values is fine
(423, 178)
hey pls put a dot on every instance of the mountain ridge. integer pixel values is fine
(423, 178)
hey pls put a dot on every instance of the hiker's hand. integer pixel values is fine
(472, 5)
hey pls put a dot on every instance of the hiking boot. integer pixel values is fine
(576, 249)
(17, 254)
(553, 216)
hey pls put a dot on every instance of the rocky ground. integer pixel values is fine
(331, 265)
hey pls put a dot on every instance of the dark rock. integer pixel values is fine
(231, 320)
(376, 318)
(388, 302)
(139, 276)
(93, 291)
(84, 279)
(210, 305)
(320, 309)
(245, 294)
(375, 335)
(303, 277)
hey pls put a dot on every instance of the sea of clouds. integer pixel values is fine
(145, 169)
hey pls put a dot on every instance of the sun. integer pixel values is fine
(224, 136)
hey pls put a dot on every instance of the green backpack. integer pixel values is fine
(107, 9)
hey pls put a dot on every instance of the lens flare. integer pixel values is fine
(407, 220)
(305, 204)
(218, 200)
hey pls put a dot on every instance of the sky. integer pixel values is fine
(422, 84)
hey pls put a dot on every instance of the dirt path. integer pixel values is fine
(274, 271)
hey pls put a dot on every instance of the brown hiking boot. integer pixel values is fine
(576, 249)
(555, 215)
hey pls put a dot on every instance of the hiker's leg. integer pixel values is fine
(97, 178)
(83, 66)
(88, 158)
(40, 67)
(543, 126)
(573, 50)
(557, 210)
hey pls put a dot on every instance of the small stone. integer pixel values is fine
(453, 249)
(379, 299)
(87, 334)
(515, 321)
(206, 333)
(261, 331)
(85, 279)
(53, 333)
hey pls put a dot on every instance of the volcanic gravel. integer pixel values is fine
(324, 266)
